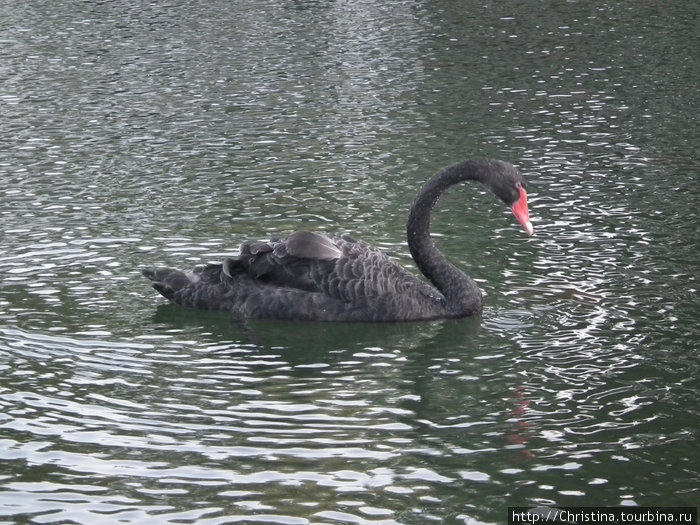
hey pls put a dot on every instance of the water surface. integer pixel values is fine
(167, 134)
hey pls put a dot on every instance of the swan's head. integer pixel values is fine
(506, 181)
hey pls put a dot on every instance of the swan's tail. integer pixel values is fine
(207, 288)
(167, 281)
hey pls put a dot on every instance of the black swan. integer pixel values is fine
(312, 276)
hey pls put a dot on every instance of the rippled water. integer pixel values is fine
(166, 134)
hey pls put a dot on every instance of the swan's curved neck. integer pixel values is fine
(462, 295)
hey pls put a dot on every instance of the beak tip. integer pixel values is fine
(529, 229)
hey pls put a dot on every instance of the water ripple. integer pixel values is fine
(150, 136)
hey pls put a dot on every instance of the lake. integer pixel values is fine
(167, 133)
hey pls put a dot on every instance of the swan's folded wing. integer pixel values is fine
(295, 262)
(338, 267)
(310, 245)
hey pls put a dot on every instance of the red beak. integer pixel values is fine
(521, 212)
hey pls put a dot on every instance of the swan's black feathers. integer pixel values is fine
(255, 248)
(306, 276)
(310, 245)
(311, 276)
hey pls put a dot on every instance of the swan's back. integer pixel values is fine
(307, 276)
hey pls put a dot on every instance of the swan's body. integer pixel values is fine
(311, 276)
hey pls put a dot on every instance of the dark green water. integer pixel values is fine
(167, 133)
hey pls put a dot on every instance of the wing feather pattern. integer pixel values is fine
(306, 276)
